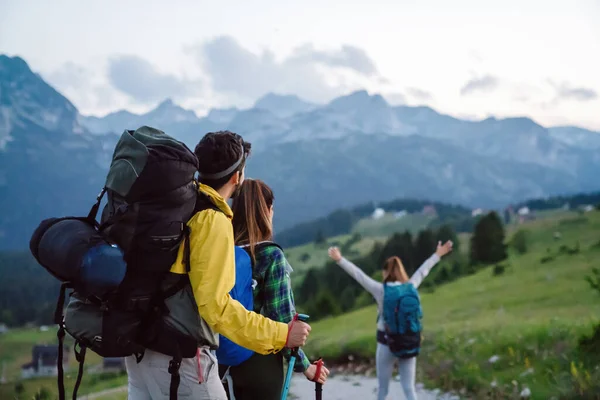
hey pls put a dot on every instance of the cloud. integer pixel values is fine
(313, 74)
(348, 56)
(564, 91)
(81, 86)
(141, 81)
(395, 99)
(419, 94)
(486, 83)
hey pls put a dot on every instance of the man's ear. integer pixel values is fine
(235, 178)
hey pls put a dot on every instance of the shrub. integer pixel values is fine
(498, 270)
(19, 388)
(546, 259)
(42, 394)
(519, 241)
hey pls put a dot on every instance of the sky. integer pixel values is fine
(467, 58)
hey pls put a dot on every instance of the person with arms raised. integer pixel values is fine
(399, 314)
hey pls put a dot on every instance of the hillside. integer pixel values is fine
(360, 219)
(530, 317)
(15, 350)
(355, 149)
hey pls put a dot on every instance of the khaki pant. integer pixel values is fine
(150, 379)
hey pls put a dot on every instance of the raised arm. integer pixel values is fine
(370, 284)
(426, 267)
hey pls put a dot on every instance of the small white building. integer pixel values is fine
(523, 211)
(587, 208)
(400, 214)
(3, 328)
(378, 213)
(44, 362)
(476, 212)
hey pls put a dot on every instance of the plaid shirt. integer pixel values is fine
(273, 295)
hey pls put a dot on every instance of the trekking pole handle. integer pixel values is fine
(301, 318)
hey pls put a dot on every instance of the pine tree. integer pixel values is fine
(325, 305)
(487, 242)
(446, 233)
(425, 245)
(320, 239)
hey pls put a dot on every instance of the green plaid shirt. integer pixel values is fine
(273, 295)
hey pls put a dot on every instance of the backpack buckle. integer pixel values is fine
(174, 366)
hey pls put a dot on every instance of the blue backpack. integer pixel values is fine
(402, 315)
(229, 353)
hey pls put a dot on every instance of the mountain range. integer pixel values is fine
(316, 157)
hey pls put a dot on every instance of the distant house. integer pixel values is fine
(476, 212)
(523, 211)
(378, 213)
(43, 361)
(587, 208)
(400, 214)
(429, 210)
(3, 328)
(113, 364)
(525, 214)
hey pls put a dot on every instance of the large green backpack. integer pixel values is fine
(152, 193)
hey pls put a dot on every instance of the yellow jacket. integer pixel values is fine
(212, 276)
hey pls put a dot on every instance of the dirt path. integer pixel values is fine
(118, 392)
(344, 387)
(341, 387)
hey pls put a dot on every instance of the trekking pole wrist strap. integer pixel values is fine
(290, 327)
(319, 363)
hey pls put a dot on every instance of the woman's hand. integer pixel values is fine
(335, 254)
(312, 370)
(443, 249)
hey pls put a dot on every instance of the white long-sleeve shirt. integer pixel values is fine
(376, 288)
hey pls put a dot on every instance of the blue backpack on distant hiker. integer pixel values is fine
(402, 315)
(229, 353)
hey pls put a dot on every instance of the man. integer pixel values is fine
(222, 159)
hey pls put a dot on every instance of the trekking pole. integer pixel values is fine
(293, 357)
(318, 391)
(318, 386)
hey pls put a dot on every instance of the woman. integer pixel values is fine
(393, 274)
(262, 377)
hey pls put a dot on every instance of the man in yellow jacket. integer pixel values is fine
(222, 158)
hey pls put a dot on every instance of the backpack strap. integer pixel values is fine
(260, 246)
(80, 357)
(264, 245)
(174, 366)
(59, 361)
(59, 319)
(203, 202)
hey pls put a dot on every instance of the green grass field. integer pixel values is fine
(15, 350)
(531, 317)
(302, 258)
(388, 225)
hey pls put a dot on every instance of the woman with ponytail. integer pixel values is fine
(393, 275)
(262, 376)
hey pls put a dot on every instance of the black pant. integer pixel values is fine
(258, 378)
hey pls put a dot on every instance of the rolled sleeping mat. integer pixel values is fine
(74, 251)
